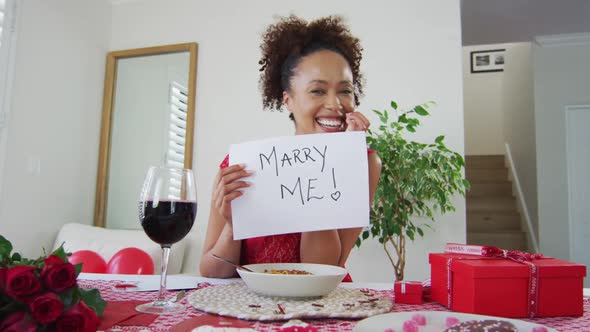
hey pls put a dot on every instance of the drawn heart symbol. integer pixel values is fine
(335, 195)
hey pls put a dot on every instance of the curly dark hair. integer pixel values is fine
(290, 39)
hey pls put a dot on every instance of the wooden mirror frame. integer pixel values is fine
(102, 183)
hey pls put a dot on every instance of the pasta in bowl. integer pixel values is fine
(292, 279)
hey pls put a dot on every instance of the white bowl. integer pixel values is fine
(323, 280)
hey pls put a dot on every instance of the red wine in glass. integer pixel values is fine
(167, 222)
(167, 210)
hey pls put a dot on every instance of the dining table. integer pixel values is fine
(125, 291)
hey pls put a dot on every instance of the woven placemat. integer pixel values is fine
(236, 300)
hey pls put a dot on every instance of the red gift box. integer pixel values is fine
(408, 292)
(498, 286)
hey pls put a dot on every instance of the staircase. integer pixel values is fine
(492, 213)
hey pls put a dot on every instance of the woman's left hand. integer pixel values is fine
(356, 121)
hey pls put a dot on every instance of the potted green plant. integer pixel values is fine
(417, 180)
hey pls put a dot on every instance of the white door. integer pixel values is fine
(578, 169)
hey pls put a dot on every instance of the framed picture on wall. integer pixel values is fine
(487, 61)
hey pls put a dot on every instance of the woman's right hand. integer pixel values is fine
(227, 188)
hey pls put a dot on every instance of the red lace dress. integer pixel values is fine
(282, 248)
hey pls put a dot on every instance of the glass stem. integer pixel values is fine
(165, 255)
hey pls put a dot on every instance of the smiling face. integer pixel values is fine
(321, 92)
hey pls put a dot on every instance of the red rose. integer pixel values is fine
(77, 318)
(22, 283)
(58, 275)
(2, 278)
(46, 307)
(18, 321)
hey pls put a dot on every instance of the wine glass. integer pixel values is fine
(167, 210)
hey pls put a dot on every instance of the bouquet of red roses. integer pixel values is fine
(43, 294)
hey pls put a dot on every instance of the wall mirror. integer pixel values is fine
(147, 119)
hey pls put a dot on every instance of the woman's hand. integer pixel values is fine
(227, 188)
(356, 121)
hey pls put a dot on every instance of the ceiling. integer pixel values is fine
(509, 21)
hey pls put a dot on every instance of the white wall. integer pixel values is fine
(59, 83)
(482, 99)
(54, 120)
(561, 77)
(398, 64)
(518, 122)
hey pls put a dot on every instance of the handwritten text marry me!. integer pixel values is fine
(307, 190)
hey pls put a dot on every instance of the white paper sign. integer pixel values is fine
(302, 183)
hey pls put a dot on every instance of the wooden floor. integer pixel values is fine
(492, 214)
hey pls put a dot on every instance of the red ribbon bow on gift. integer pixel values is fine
(515, 255)
(495, 252)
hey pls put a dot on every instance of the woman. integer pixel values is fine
(312, 69)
